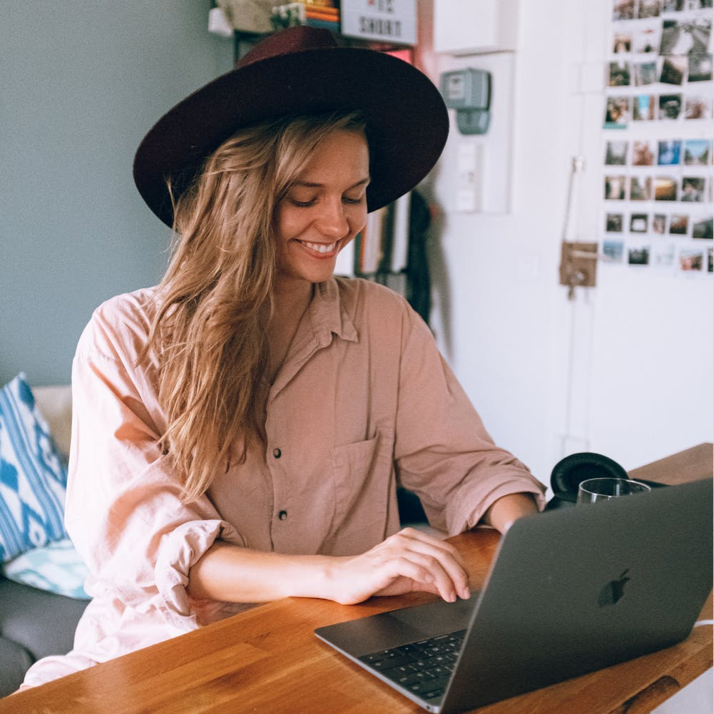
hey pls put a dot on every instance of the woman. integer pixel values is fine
(240, 429)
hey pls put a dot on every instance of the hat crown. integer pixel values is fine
(287, 42)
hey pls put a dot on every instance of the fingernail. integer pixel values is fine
(465, 594)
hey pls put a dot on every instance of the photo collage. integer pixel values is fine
(657, 138)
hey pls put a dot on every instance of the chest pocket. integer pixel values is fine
(364, 483)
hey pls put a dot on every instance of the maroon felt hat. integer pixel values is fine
(301, 70)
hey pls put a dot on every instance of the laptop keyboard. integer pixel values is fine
(424, 667)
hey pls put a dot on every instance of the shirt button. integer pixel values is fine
(277, 453)
(282, 515)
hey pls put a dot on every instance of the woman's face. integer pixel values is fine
(324, 209)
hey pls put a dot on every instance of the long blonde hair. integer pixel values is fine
(208, 334)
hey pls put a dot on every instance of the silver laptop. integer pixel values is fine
(569, 591)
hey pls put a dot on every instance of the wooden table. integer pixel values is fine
(268, 660)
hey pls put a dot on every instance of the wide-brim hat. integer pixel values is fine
(301, 70)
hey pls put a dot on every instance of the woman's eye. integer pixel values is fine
(347, 199)
(302, 204)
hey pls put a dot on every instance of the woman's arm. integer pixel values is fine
(405, 562)
(502, 513)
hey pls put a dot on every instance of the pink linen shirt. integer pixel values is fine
(362, 403)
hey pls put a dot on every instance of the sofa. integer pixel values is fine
(35, 623)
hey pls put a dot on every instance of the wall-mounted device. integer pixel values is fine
(468, 91)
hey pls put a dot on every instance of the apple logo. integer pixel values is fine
(613, 592)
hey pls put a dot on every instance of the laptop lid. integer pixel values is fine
(569, 592)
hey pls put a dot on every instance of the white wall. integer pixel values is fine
(625, 369)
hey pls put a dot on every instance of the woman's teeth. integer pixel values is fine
(320, 247)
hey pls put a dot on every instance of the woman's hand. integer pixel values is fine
(405, 562)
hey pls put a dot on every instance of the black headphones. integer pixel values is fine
(571, 471)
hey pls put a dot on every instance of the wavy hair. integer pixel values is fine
(208, 335)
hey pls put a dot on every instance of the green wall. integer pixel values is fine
(80, 84)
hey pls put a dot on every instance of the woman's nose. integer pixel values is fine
(332, 222)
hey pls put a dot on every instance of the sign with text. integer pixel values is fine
(382, 20)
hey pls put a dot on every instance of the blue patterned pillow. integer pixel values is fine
(57, 567)
(33, 476)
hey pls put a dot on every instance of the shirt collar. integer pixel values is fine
(329, 316)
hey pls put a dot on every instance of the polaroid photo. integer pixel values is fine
(640, 188)
(669, 152)
(659, 223)
(662, 255)
(665, 188)
(691, 259)
(643, 153)
(700, 68)
(639, 223)
(670, 106)
(644, 107)
(649, 8)
(616, 153)
(697, 152)
(703, 228)
(613, 251)
(647, 37)
(623, 10)
(617, 112)
(693, 188)
(638, 254)
(615, 188)
(644, 73)
(622, 42)
(685, 37)
(698, 107)
(679, 224)
(673, 6)
(614, 222)
(619, 74)
(710, 260)
(674, 70)
(701, 35)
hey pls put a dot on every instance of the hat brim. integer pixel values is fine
(407, 121)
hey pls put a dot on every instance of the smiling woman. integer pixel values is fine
(241, 429)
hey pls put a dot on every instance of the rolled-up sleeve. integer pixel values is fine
(443, 452)
(123, 511)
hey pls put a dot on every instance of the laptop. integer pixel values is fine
(569, 591)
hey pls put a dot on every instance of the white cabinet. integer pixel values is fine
(475, 26)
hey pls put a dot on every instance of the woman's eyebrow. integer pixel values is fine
(311, 184)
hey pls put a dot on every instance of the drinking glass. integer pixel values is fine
(603, 489)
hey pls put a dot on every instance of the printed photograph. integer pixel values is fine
(662, 255)
(691, 259)
(670, 105)
(679, 224)
(710, 260)
(647, 37)
(698, 107)
(616, 153)
(613, 223)
(674, 70)
(703, 228)
(644, 107)
(643, 153)
(623, 10)
(640, 188)
(645, 73)
(665, 188)
(700, 68)
(612, 251)
(615, 188)
(692, 190)
(697, 152)
(638, 254)
(622, 42)
(638, 223)
(617, 112)
(619, 74)
(649, 8)
(669, 152)
(685, 37)
(659, 223)
(673, 6)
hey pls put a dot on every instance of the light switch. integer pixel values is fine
(469, 165)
